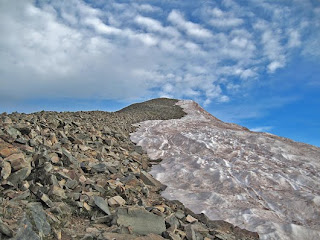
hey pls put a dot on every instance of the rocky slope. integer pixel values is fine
(258, 181)
(77, 175)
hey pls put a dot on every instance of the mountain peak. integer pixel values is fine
(257, 181)
(81, 177)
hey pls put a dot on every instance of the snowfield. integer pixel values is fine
(257, 181)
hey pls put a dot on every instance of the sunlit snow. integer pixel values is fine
(256, 181)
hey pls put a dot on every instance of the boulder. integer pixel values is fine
(5, 169)
(191, 219)
(24, 129)
(7, 120)
(25, 231)
(116, 201)
(19, 175)
(39, 218)
(150, 236)
(4, 229)
(101, 203)
(149, 180)
(17, 161)
(140, 221)
(6, 150)
(118, 236)
(14, 133)
(58, 192)
(68, 159)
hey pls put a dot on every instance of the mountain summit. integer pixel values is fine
(79, 175)
(257, 181)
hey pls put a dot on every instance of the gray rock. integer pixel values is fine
(180, 214)
(25, 231)
(99, 188)
(32, 143)
(22, 196)
(191, 235)
(149, 180)
(100, 168)
(40, 218)
(42, 196)
(109, 142)
(68, 159)
(72, 184)
(107, 130)
(47, 167)
(19, 175)
(7, 120)
(138, 149)
(141, 221)
(118, 236)
(24, 129)
(101, 203)
(4, 229)
(6, 169)
(14, 133)
(172, 221)
(57, 192)
(21, 140)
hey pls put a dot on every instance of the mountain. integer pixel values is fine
(77, 175)
(256, 181)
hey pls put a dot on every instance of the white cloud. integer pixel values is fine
(273, 50)
(207, 102)
(272, 45)
(239, 42)
(127, 50)
(294, 39)
(224, 99)
(223, 19)
(261, 129)
(229, 22)
(273, 66)
(154, 25)
(190, 28)
(233, 87)
(146, 7)
(100, 27)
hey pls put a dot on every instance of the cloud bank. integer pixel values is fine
(209, 52)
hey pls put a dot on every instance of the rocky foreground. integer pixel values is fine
(77, 175)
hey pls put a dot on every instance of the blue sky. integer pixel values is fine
(255, 63)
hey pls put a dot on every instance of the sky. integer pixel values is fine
(254, 63)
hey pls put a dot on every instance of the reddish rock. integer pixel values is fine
(17, 161)
(7, 150)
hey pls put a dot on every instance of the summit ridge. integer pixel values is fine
(77, 175)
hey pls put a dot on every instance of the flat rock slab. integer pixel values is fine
(101, 203)
(116, 201)
(19, 175)
(118, 236)
(149, 180)
(140, 221)
(40, 218)
(6, 170)
(25, 231)
(4, 229)
(150, 236)
(17, 161)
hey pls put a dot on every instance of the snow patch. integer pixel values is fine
(256, 181)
